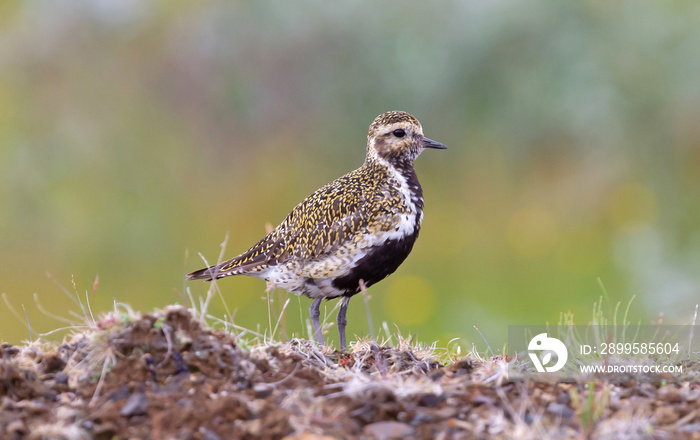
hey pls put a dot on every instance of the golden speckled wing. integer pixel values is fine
(338, 211)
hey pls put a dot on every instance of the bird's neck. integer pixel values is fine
(407, 171)
(403, 173)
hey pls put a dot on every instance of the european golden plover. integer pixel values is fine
(359, 227)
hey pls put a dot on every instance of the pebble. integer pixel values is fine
(561, 410)
(388, 430)
(208, 435)
(665, 415)
(262, 390)
(61, 378)
(17, 428)
(136, 405)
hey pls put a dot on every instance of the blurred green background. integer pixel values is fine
(135, 134)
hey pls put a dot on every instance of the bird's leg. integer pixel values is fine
(315, 315)
(342, 320)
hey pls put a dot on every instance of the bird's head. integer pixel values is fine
(397, 137)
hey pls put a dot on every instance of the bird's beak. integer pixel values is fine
(429, 143)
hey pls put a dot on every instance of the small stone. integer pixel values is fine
(262, 390)
(16, 428)
(32, 406)
(446, 412)
(136, 405)
(51, 363)
(560, 409)
(388, 430)
(104, 430)
(669, 394)
(119, 394)
(308, 436)
(664, 415)
(430, 400)
(186, 404)
(564, 398)
(61, 378)
(693, 428)
(208, 435)
(67, 413)
(253, 427)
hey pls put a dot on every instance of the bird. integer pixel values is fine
(350, 233)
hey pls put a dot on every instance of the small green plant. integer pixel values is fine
(159, 322)
(590, 406)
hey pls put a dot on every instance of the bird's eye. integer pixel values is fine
(399, 133)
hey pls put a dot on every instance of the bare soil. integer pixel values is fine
(167, 376)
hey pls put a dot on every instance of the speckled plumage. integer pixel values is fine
(361, 226)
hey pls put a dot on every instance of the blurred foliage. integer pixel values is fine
(135, 134)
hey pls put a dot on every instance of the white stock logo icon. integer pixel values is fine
(547, 345)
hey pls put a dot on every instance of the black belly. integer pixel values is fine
(379, 263)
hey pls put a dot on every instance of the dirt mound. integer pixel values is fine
(166, 375)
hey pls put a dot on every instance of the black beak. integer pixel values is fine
(429, 143)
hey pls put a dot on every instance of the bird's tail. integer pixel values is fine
(227, 268)
(208, 273)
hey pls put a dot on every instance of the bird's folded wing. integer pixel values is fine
(330, 219)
